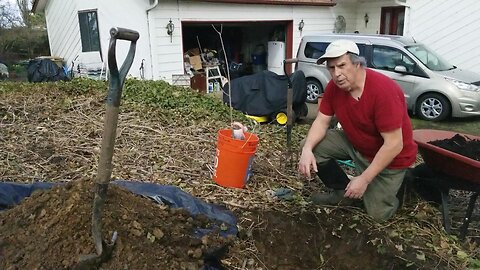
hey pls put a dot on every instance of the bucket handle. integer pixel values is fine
(247, 139)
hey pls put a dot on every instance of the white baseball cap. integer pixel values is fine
(338, 48)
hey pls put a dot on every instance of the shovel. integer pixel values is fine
(290, 112)
(116, 81)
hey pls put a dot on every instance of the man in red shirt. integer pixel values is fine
(376, 135)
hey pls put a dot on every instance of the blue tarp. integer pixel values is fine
(11, 194)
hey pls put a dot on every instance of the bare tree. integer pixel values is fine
(24, 7)
(8, 15)
(22, 34)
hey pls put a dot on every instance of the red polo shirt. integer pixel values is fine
(381, 108)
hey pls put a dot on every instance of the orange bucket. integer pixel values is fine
(234, 158)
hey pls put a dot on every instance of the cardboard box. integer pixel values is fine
(194, 51)
(196, 62)
(181, 79)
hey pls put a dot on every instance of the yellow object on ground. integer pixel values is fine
(259, 119)
(281, 118)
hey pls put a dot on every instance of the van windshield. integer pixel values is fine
(429, 58)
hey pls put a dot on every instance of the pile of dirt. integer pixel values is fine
(52, 230)
(461, 145)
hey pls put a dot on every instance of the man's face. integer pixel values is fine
(343, 71)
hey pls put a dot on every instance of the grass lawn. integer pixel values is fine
(469, 125)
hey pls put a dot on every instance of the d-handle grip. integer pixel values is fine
(124, 34)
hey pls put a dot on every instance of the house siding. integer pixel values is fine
(124, 14)
(374, 11)
(354, 13)
(164, 56)
(64, 30)
(349, 12)
(450, 28)
(168, 55)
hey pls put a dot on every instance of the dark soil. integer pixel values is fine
(47, 134)
(461, 145)
(51, 230)
(319, 240)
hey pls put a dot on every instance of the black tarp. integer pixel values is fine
(265, 93)
(45, 70)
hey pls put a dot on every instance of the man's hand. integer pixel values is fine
(316, 133)
(356, 188)
(307, 163)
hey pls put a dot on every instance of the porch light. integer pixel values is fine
(170, 28)
(365, 18)
(301, 24)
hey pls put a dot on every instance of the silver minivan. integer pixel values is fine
(433, 88)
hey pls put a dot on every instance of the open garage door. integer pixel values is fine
(245, 45)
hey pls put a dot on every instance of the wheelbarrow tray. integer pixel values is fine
(445, 161)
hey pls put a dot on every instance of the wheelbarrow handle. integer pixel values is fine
(116, 77)
(291, 61)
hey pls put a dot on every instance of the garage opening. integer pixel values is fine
(245, 43)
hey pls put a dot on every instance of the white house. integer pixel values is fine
(78, 30)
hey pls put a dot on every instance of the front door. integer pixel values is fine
(391, 21)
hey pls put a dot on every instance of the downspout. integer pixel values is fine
(152, 6)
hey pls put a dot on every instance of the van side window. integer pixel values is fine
(316, 49)
(387, 58)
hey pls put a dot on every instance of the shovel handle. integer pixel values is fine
(125, 34)
(116, 77)
(116, 80)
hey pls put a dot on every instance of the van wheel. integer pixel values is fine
(314, 89)
(433, 107)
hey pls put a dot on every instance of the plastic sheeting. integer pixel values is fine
(12, 194)
(265, 93)
(45, 70)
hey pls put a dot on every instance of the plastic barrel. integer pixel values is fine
(234, 159)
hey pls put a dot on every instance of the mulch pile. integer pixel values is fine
(461, 145)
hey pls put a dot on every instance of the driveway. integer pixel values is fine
(312, 110)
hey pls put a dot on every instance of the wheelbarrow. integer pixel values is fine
(116, 80)
(448, 170)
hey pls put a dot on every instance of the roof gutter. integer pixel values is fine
(278, 2)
